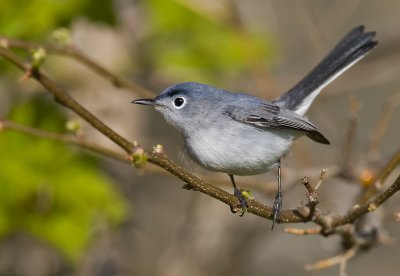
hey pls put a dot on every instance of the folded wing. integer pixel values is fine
(269, 116)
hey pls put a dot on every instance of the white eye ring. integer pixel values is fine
(179, 102)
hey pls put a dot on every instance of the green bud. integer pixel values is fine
(38, 57)
(73, 125)
(61, 35)
(139, 158)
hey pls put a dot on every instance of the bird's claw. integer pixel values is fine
(276, 209)
(243, 203)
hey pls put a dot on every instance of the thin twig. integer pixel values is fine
(302, 232)
(70, 139)
(381, 125)
(312, 197)
(341, 260)
(65, 99)
(381, 178)
(371, 206)
(347, 163)
(346, 257)
(74, 52)
(321, 179)
(393, 163)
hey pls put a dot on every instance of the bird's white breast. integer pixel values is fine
(237, 148)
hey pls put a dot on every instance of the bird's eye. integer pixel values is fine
(179, 102)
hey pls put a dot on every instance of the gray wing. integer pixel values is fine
(271, 116)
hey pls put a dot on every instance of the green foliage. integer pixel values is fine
(192, 45)
(50, 191)
(36, 18)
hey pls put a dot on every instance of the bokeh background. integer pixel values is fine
(65, 211)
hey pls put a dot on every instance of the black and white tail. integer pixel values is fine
(353, 47)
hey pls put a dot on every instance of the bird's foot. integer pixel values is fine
(277, 208)
(243, 203)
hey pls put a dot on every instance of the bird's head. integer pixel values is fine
(186, 104)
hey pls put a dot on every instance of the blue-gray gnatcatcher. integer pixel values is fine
(239, 134)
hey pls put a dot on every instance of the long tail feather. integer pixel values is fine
(353, 47)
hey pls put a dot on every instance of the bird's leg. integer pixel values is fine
(277, 208)
(238, 193)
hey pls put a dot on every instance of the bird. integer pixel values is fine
(240, 134)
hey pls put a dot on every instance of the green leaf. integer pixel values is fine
(48, 189)
(185, 44)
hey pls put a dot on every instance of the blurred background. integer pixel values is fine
(65, 211)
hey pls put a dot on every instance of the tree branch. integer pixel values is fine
(337, 260)
(72, 51)
(70, 139)
(381, 125)
(302, 232)
(380, 179)
(368, 207)
(65, 99)
(347, 163)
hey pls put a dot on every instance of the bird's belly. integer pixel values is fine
(245, 151)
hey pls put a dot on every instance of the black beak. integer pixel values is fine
(144, 101)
